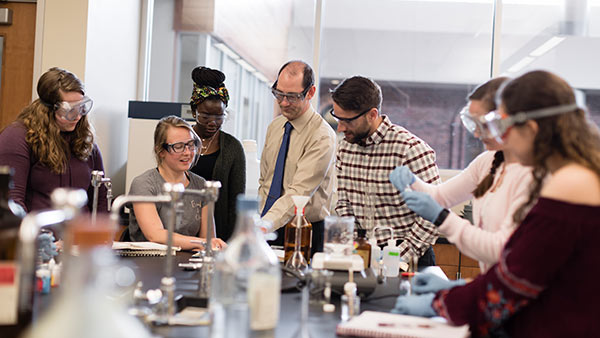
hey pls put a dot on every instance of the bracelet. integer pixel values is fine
(441, 217)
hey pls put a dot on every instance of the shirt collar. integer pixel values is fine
(302, 120)
(379, 133)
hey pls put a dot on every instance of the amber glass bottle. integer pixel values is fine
(305, 237)
(362, 247)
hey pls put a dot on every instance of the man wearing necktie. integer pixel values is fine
(298, 156)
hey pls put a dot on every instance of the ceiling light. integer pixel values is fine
(548, 45)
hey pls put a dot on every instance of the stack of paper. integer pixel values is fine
(389, 325)
(141, 249)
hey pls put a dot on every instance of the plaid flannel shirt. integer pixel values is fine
(365, 190)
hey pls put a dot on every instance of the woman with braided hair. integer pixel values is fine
(221, 156)
(495, 180)
(51, 144)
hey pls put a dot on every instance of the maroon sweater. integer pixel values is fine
(33, 182)
(546, 283)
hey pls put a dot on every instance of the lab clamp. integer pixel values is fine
(67, 204)
(98, 179)
(173, 195)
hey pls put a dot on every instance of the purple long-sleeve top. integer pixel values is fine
(34, 182)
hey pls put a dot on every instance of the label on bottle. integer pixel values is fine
(263, 300)
(9, 293)
(365, 256)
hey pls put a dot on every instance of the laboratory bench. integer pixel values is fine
(150, 270)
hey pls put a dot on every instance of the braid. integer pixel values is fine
(487, 181)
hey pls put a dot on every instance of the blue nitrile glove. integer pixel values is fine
(422, 204)
(46, 246)
(428, 282)
(415, 305)
(402, 177)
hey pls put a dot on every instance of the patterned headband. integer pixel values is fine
(200, 93)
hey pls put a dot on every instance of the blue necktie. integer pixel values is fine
(277, 183)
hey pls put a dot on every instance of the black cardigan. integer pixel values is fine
(230, 170)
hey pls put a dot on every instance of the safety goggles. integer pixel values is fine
(498, 124)
(474, 124)
(179, 147)
(350, 119)
(71, 110)
(290, 97)
(207, 118)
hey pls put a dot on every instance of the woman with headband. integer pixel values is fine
(221, 156)
(51, 144)
(496, 182)
(546, 281)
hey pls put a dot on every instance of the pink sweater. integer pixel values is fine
(492, 213)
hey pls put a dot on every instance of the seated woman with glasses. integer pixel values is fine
(51, 144)
(546, 281)
(221, 157)
(495, 180)
(176, 150)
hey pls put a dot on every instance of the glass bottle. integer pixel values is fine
(246, 284)
(83, 307)
(362, 247)
(350, 302)
(16, 309)
(405, 284)
(305, 236)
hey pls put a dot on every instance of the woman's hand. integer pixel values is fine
(218, 244)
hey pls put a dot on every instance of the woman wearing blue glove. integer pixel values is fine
(495, 181)
(534, 291)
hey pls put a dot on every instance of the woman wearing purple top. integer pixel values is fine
(51, 144)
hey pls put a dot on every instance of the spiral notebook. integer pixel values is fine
(141, 249)
(389, 325)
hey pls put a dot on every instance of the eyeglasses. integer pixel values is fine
(207, 118)
(70, 111)
(179, 147)
(350, 119)
(498, 124)
(290, 97)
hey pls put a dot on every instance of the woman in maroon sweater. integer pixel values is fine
(546, 281)
(51, 144)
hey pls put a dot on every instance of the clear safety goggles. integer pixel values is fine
(498, 124)
(474, 124)
(207, 118)
(70, 111)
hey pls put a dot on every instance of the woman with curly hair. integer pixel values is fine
(51, 144)
(221, 157)
(546, 281)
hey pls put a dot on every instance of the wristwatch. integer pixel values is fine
(441, 217)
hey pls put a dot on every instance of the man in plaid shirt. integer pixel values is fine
(372, 147)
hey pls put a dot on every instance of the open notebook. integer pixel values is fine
(141, 249)
(389, 325)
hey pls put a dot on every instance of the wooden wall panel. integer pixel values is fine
(447, 257)
(17, 61)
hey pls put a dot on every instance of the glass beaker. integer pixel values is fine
(339, 235)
